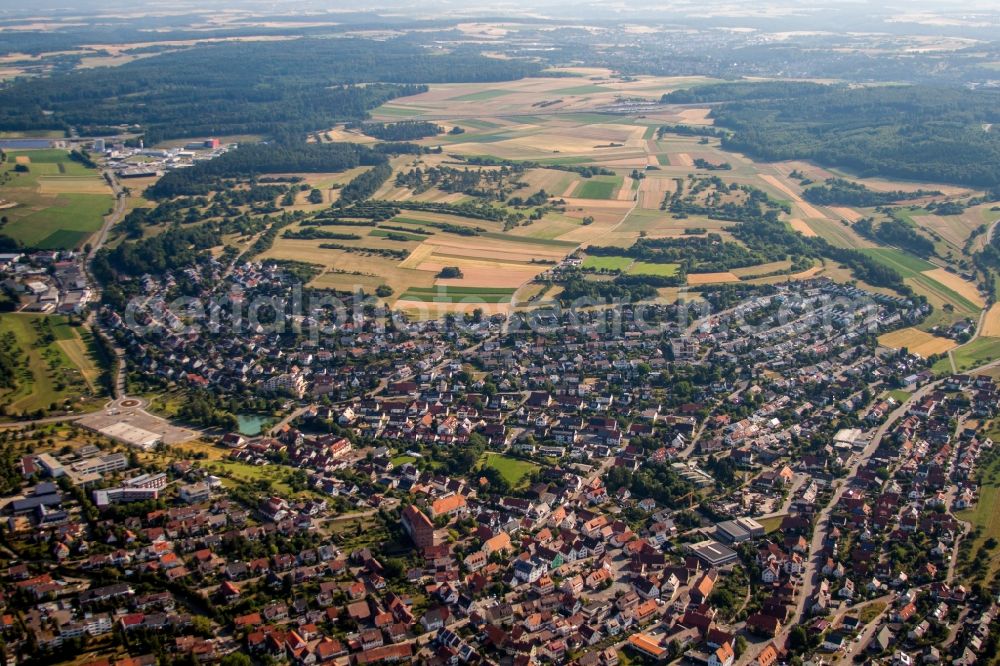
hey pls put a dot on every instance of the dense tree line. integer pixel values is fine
(840, 192)
(270, 88)
(495, 184)
(365, 184)
(249, 160)
(912, 132)
(705, 254)
(406, 130)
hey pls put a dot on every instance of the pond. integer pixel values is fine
(251, 424)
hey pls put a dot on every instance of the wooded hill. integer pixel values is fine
(935, 134)
(270, 88)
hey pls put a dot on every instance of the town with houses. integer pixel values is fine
(752, 482)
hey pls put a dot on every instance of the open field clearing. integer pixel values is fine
(917, 342)
(483, 273)
(65, 369)
(918, 274)
(599, 187)
(848, 214)
(954, 229)
(511, 469)
(606, 263)
(801, 227)
(978, 352)
(807, 208)
(73, 185)
(778, 279)
(60, 203)
(762, 269)
(660, 270)
(957, 284)
(991, 322)
(653, 189)
(423, 311)
(839, 234)
(681, 159)
(711, 278)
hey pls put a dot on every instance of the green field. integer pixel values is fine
(68, 368)
(606, 263)
(979, 351)
(386, 233)
(661, 270)
(906, 264)
(48, 215)
(529, 240)
(512, 470)
(581, 90)
(600, 187)
(985, 518)
(480, 96)
(453, 294)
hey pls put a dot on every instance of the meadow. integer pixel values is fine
(59, 203)
(67, 369)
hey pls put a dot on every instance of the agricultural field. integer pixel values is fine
(917, 342)
(560, 127)
(660, 270)
(56, 204)
(64, 369)
(603, 263)
(978, 352)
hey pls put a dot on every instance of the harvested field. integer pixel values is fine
(917, 342)
(72, 185)
(695, 116)
(652, 190)
(801, 227)
(848, 214)
(22, 159)
(991, 322)
(682, 159)
(711, 278)
(960, 286)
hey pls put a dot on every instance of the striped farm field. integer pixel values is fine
(455, 294)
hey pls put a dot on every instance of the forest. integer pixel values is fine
(840, 192)
(908, 132)
(258, 158)
(267, 88)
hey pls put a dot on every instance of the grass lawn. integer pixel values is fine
(985, 517)
(899, 395)
(513, 470)
(979, 351)
(871, 611)
(645, 268)
(771, 524)
(402, 460)
(65, 369)
(606, 263)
